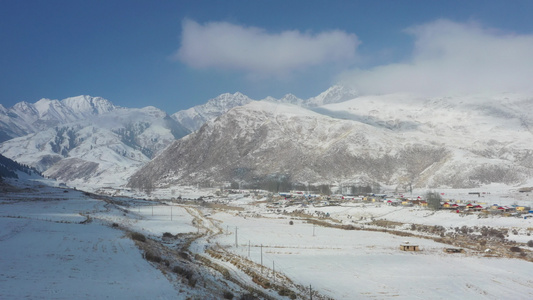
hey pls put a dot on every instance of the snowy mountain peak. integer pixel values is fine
(334, 94)
(229, 100)
(89, 105)
(292, 99)
(24, 108)
(51, 109)
(24, 118)
(193, 118)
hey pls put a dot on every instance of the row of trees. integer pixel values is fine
(284, 184)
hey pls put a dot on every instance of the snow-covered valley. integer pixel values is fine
(142, 210)
(61, 243)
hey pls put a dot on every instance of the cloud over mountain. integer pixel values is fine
(256, 52)
(450, 57)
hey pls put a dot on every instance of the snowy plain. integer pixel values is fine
(365, 265)
(59, 244)
(48, 252)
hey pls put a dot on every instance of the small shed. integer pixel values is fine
(409, 247)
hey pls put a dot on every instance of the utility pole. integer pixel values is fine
(236, 244)
(274, 271)
(310, 293)
(261, 258)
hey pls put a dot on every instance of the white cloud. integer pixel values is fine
(451, 57)
(226, 46)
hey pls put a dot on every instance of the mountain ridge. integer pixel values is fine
(338, 136)
(24, 118)
(194, 117)
(87, 140)
(394, 140)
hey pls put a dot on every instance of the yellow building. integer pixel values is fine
(522, 208)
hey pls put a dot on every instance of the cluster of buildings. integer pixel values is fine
(452, 205)
(494, 208)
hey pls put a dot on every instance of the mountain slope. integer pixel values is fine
(334, 94)
(11, 169)
(24, 118)
(104, 147)
(267, 141)
(395, 140)
(194, 117)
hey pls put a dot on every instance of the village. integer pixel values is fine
(464, 206)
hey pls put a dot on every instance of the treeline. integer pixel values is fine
(9, 167)
(284, 184)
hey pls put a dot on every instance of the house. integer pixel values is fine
(392, 202)
(505, 208)
(522, 208)
(409, 247)
(407, 203)
(477, 208)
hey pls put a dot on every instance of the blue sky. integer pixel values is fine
(177, 54)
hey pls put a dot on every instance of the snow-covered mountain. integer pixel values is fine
(24, 118)
(394, 140)
(85, 140)
(336, 137)
(194, 117)
(334, 94)
(12, 169)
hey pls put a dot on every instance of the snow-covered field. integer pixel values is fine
(48, 253)
(360, 264)
(61, 245)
